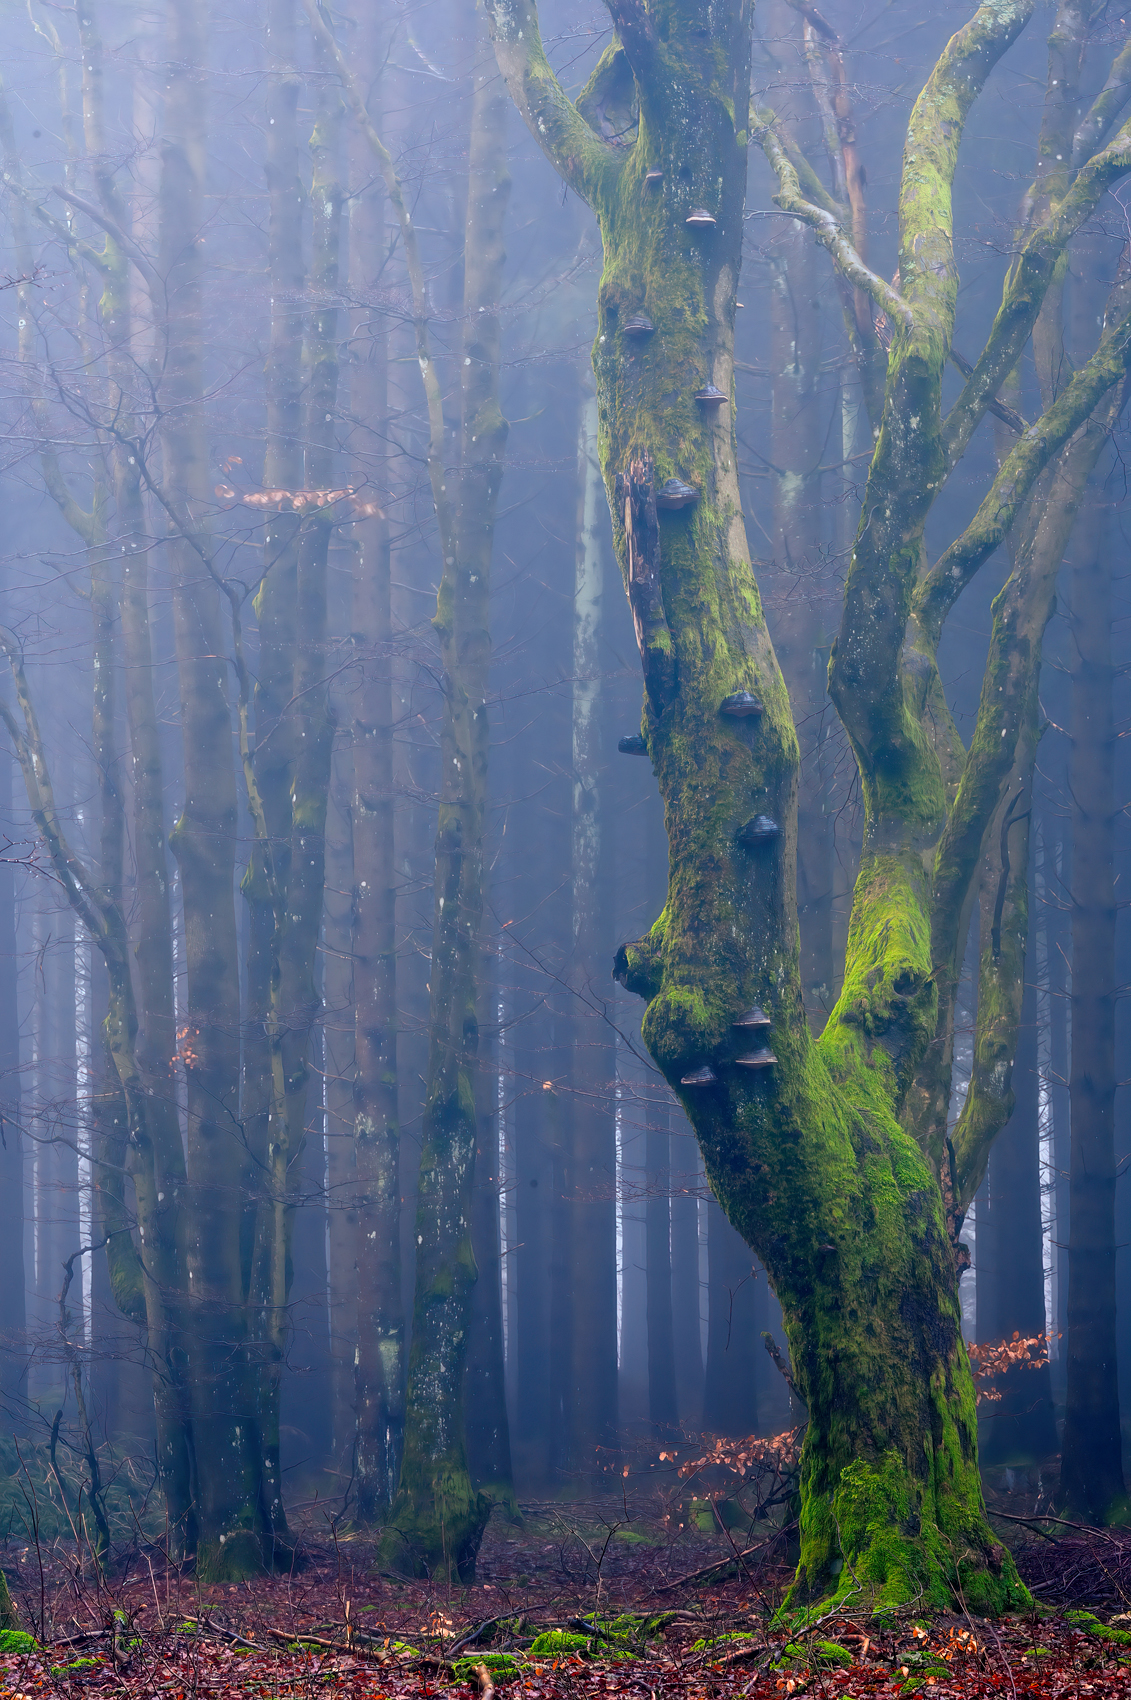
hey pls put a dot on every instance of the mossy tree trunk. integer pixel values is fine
(829, 1157)
(438, 1516)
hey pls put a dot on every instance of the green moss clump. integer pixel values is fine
(76, 1664)
(719, 1641)
(500, 1665)
(832, 1655)
(559, 1641)
(1089, 1622)
(16, 1641)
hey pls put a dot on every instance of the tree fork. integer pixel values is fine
(804, 1147)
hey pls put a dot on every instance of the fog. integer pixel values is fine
(317, 858)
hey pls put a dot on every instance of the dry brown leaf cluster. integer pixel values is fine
(299, 501)
(990, 1359)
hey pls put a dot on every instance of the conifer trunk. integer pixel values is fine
(1092, 1487)
(379, 1363)
(437, 1519)
(221, 1385)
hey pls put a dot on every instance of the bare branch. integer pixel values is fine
(1105, 109)
(954, 569)
(1026, 287)
(826, 227)
(584, 160)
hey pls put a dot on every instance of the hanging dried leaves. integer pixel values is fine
(301, 501)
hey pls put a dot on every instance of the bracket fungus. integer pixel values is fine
(638, 324)
(755, 1017)
(674, 493)
(761, 830)
(757, 1059)
(632, 745)
(740, 705)
(700, 219)
(710, 397)
(699, 1077)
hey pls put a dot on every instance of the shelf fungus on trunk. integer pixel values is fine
(740, 705)
(700, 1077)
(700, 219)
(758, 832)
(638, 325)
(653, 177)
(674, 493)
(753, 1018)
(709, 397)
(762, 1058)
(632, 745)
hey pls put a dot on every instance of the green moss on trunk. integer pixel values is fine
(806, 1154)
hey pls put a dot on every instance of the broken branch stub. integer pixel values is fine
(636, 499)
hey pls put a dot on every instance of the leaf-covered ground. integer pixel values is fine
(575, 1604)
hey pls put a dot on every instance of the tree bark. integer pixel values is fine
(1092, 1487)
(437, 1519)
(806, 1148)
(379, 1364)
(587, 1367)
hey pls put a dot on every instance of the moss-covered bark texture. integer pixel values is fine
(822, 1155)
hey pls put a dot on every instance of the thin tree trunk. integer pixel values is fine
(222, 1385)
(437, 1519)
(588, 1367)
(1019, 1429)
(488, 1426)
(379, 1363)
(345, 1314)
(663, 1403)
(13, 1310)
(1092, 1487)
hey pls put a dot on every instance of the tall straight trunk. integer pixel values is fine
(379, 1362)
(344, 1311)
(156, 1042)
(588, 1367)
(488, 1426)
(13, 1310)
(1092, 1487)
(230, 1513)
(686, 1323)
(663, 1402)
(296, 858)
(266, 880)
(729, 1398)
(1019, 1429)
(437, 1518)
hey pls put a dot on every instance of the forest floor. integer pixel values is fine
(578, 1602)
